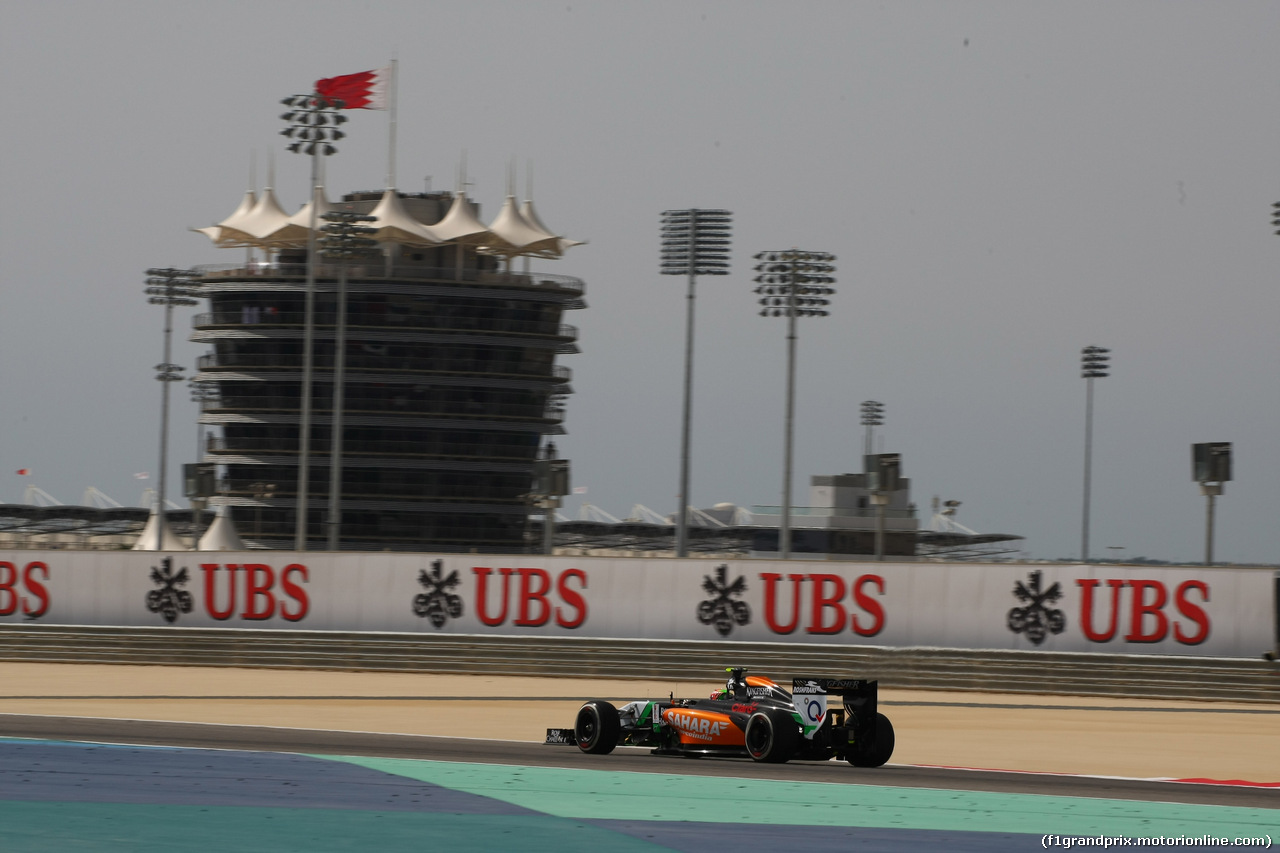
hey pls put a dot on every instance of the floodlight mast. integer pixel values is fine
(1211, 468)
(791, 284)
(345, 240)
(313, 122)
(1094, 364)
(168, 287)
(694, 242)
(872, 416)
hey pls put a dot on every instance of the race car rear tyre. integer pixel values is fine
(597, 727)
(875, 750)
(771, 736)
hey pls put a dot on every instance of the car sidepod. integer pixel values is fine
(705, 727)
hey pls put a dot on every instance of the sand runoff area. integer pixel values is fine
(1094, 736)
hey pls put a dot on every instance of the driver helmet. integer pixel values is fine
(736, 685)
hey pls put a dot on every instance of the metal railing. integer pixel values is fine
(1045, 673)
(265, 269)
(435, 364)
(276, 405)
(244, 446)
(371, 324)
(833, 512)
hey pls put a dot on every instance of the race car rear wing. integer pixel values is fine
(859, 696)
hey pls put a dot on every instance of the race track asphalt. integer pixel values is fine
(116, 781)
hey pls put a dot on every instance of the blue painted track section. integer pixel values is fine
(57, 796)
(76, 773)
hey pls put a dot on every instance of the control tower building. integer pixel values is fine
(451, 379)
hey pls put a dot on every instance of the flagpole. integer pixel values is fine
(308, 366)
(392, 96)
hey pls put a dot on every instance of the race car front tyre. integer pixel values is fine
(771, 736)
(597, 727)
(876, 749)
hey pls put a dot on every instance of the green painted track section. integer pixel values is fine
(27, 827)
(603, 795)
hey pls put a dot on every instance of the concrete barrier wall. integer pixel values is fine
(1223, 612)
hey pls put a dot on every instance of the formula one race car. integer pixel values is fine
(752, 716)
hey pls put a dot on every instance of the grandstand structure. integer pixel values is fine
(724, 531)
(100, 522)
(728, 531)
(948, 539)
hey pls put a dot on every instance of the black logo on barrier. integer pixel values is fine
(722, 611)
(1035, 618)
(168, 600)
(438, 604)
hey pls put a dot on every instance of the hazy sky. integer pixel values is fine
(1002, 182)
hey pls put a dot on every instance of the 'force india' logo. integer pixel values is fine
(700, 727)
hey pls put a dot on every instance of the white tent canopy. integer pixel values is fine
(266, 218)
(393, 224)
(461, 224)
(221, 535)
(157, 536)
(516, 231)
(516, 235)
(295, 229)
(531, 216)
(227, 233)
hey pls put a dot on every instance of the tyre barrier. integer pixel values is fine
(995, 671)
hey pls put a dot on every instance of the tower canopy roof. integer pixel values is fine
(517, 230)
(531, 216)
(264, 219)
(393, 224)
(462, 224)
(294, 231)
(227, 233)
(518, 236)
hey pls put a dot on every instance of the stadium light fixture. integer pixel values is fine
(168, 287)
(872, 416)
(345, 240)
(313, 128)
(694, 242)
(1095, 362)
(791, 284)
